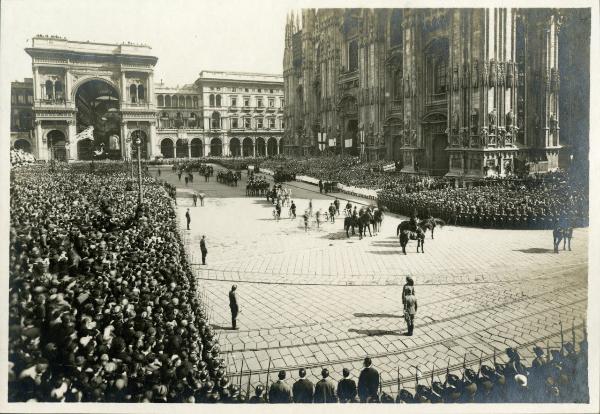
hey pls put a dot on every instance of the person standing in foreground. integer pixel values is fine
(203, 248)
(195, 198)
(410, 309)
(233, 305)
(280, 392)
(346, 390)
(303, 389)
(368, 381)
(325, 389)
(188, 218)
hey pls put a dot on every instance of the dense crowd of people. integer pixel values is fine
(535, 202)
(102, 302)
(20, 157)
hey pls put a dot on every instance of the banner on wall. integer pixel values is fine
(348, 143)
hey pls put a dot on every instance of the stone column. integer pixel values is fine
(189, 147)
(152, 148)
(123, 88)
(206, 146)
(277, 152)
(72, 147)
(124, 142)
(68, 86)
(254, 147)
(39, 141)
(150, 89)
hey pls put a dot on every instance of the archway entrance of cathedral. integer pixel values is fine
(97, 104)
(352, 133)
(84, 149)
(439, 157)
(216, 147)
(166, 148)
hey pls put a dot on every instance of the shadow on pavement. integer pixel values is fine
(376, 315)
(534, 250)
(338, 235)
(224, 328)
(375, 332)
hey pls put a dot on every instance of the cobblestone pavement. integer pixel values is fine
(318, 299)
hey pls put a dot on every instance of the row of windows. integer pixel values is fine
(259, 123)
(258, 90)
(178, 101)
(216, 100)
(21, 99)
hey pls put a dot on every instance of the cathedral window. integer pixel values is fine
(211, 100)
(218, 101)
(440, 81)
(215, 120)
(396, 28)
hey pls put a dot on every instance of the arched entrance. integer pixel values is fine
(439, 157)
(436, 141)
(349, 112)
(247, 147)
(272, 146)
(216, 147)
(23, 145)
(234, 147)
(138, 133)
(281, 146)
(181, 148)
(196, 147)
(56, 145)
(97, 103)
(84, 149)
(261, 149)
(166, 148)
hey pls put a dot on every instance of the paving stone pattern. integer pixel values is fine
(318, 299)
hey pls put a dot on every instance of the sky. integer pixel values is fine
(186, 36)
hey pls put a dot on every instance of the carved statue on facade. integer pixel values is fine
(553, 122)
(455, 122)
(455, 78)
(501, 135)
(510, 74)
(464, 137)
(413, 137)
(465, 77)
(492, 120)
(475, 75)
(500, 74)
(509, 120)
(474, 121)
(484, 74)
(493, 73)
(484, 136)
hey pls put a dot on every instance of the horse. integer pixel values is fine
(406, 235)
(377, 220)
(564, 234)
(431, 223)
(364, 223)
(349, 221)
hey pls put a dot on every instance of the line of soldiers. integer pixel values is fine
(229, 177)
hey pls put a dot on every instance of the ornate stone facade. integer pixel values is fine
(463, 92)
(110, 87)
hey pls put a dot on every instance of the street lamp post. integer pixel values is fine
(138, 143)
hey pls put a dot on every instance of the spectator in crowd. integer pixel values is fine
(346, 390)
(368, 381)
(258, 397)
(280, 392)
(303, 389)
(325, 389)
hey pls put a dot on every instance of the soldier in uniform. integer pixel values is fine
(188, 218)
(332, 213)
(405, 397)
(303, 389)
(258, 397)
(195, 198)
(336, 203)
(280, 392)
(422, 394)
(233, 305)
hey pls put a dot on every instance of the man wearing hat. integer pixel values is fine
(346, 390)
(188, 218)
(280, 392)
(233, 305)
(368, 381)
(325, 389)
(303, 389)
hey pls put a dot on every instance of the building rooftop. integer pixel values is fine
(57, 43)
(240, 76)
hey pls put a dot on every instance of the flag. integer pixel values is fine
(87, 133)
